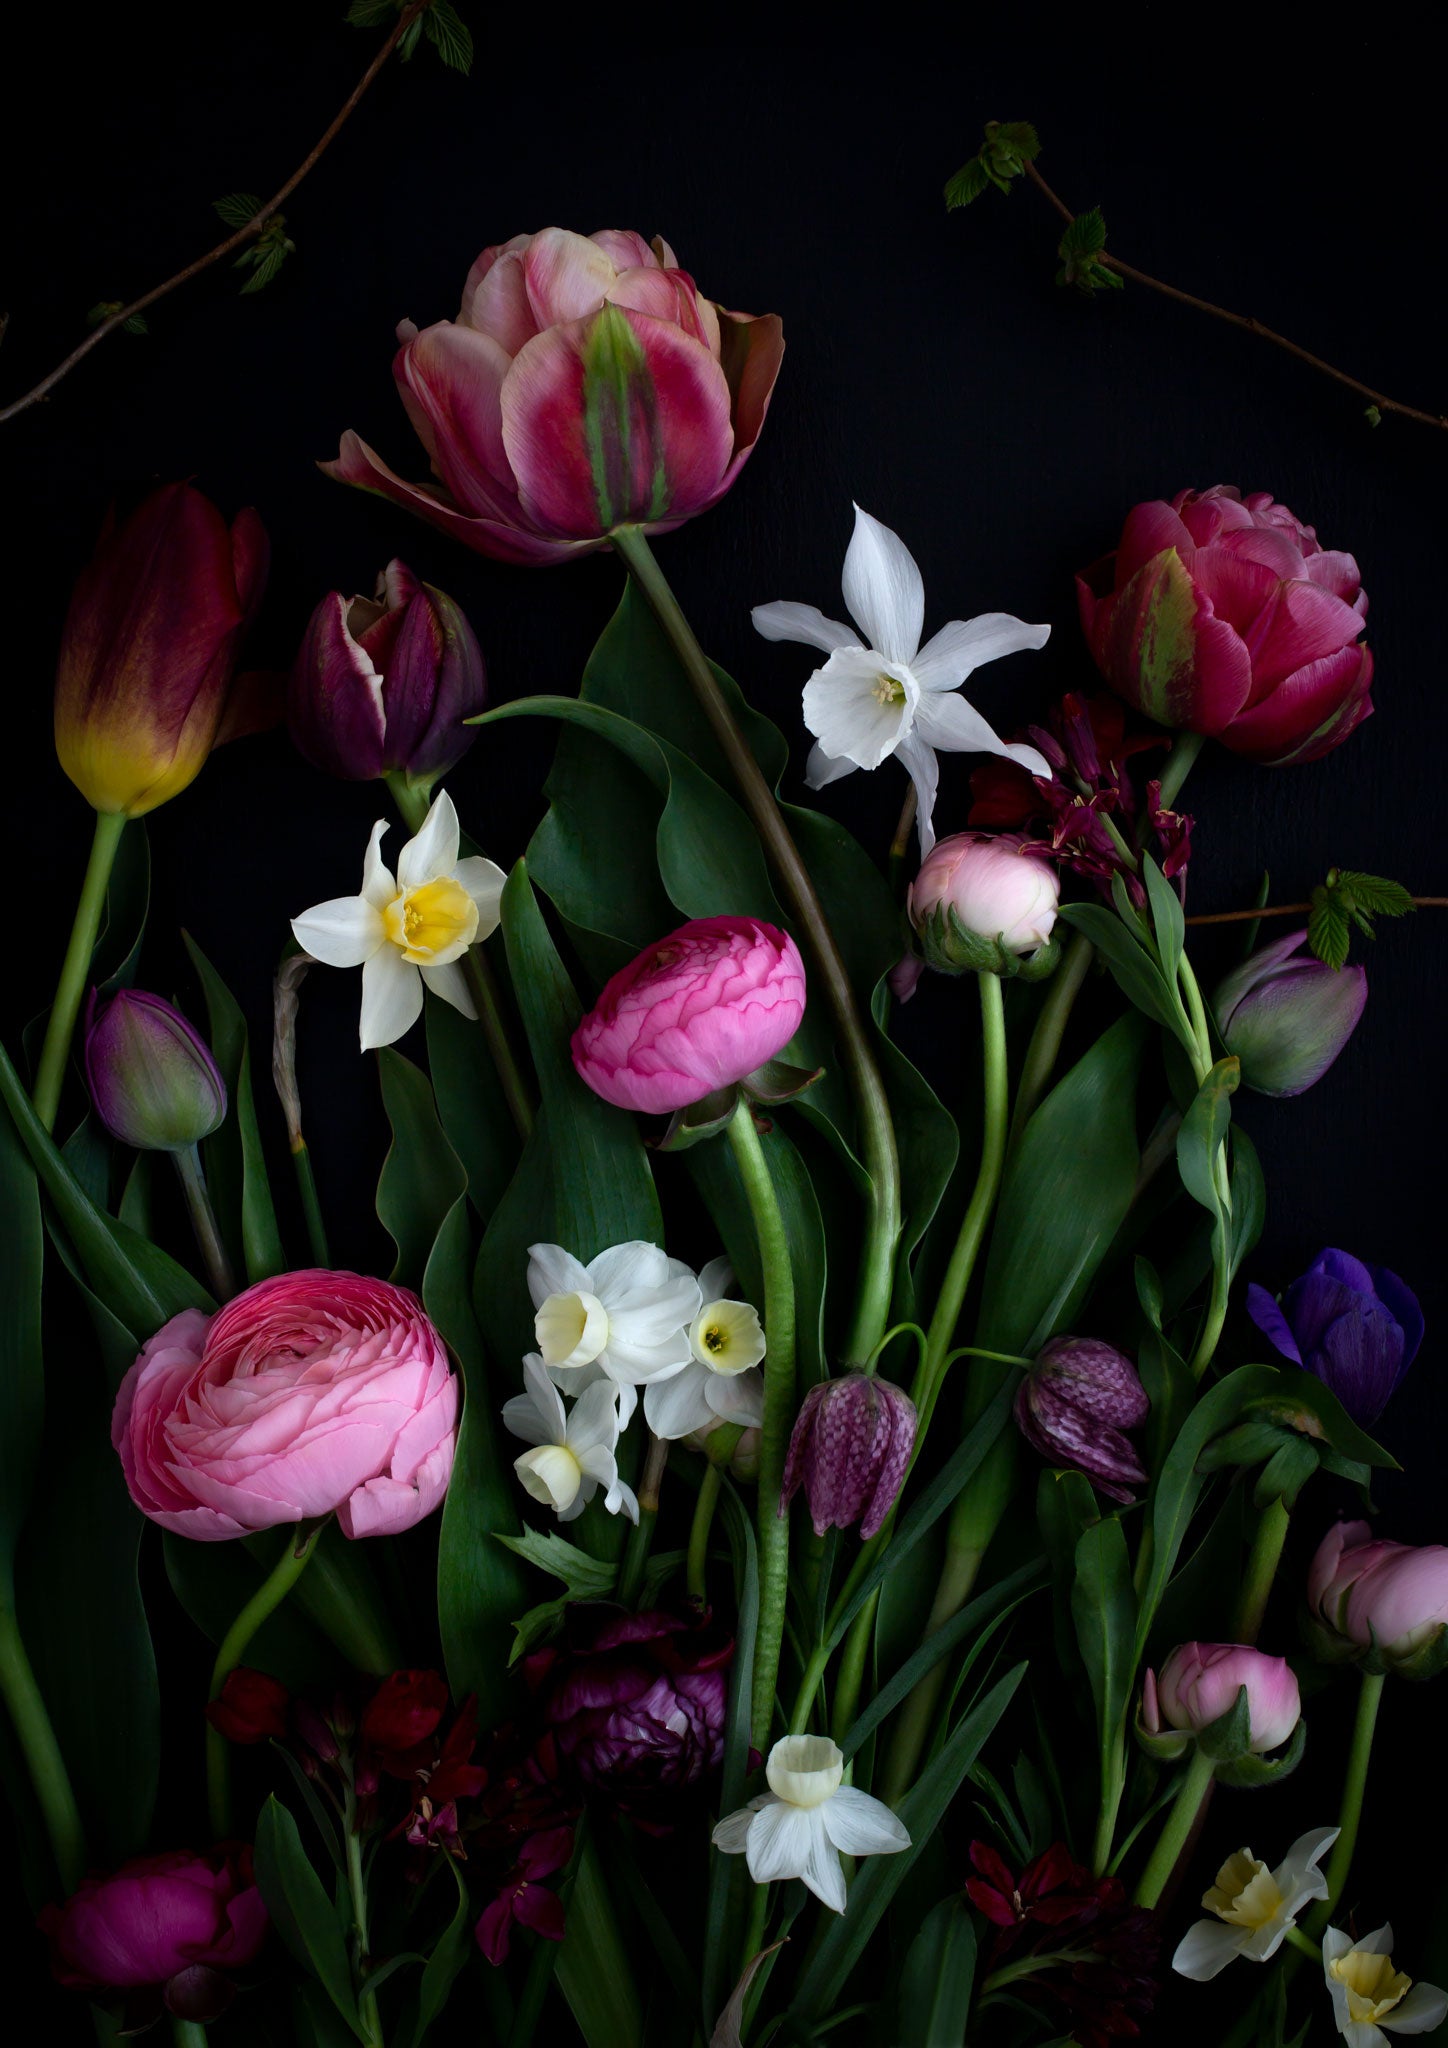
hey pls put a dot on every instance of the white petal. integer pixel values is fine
(587, 1488)
(1424, 2008)
(624, 1268)
(779, 1841)
(802, 622)
(676, 1405)
(822, 767)
(545, 1398)
(861, 1826)
(823, 1873)
(521, 1418)
(551, 1270)
(716, 1281)
(963, 646)
(956, 727)
(391, 998)
(342, 933)
(739, 1398)
(594, 1420)
(652, 1316)
(1206, 1949)
(1334, 1945)
(483, 880)
(552, 1476)
(378, 883)
(883, 591)
(638, 1365)
(1378, 1943)
(451, 984)
(849, 712)
(918, 760)
(732, 1833)
(628, 1401)
(434, 851)
(1297, 1877)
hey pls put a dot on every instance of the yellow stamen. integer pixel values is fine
(889, 689)
(1373, 1986)
(433, 923)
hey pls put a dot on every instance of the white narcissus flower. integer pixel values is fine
(808, 1819)
(1254, 1907)
(893, 696)
(624, 1317)
(408, 929)
(573, 1452)
(1370, 1999)
(721, 1382)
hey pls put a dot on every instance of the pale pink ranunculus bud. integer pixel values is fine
(982, 901)
(310, 1394)
(697, 1012)
(1199, 1683)
(1388, 1597)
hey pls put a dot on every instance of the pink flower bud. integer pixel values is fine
(1387, 1597)
(1073, 1406)
(978, 897)
(697, 1012)
(850, 1448)
(1199, 1683)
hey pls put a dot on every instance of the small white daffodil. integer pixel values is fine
(808, 1819)
(408, 929)
(891, 695)
(573, 1451)
(721, 1382)
(1254, 1907)
(624, 1317)
(1370, 1999)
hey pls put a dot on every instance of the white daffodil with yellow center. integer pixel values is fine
(624, 1317)
(722, 1381)
(1254, 1907)
(893, 696)
(808, 1819)
(572, 1451)
(409, 929)
(1370, 1999)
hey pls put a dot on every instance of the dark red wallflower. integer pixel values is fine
(400, 1719)
(523, 1900)
(1108, 1986)
(251, 1706)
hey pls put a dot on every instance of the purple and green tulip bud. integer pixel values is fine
(1287, 1015)
(153, 1081)
(850, 1451)
(1073, 1407)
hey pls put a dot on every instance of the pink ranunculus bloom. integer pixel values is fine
(1199, 1682)
(174, 1925)
(1225, 615)
(585, 385)
(310, 1394)
(993, 886)
(1391, 1597)
(696, 1012)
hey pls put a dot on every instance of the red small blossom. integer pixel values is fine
(522, 1899)
(251, 1706)
(403, 1714)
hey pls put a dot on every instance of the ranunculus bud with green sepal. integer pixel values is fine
(382, 685)
(1286, 1015)
(151, 1076)
(1196, 1697)
(1385, 1604)
(983, 903)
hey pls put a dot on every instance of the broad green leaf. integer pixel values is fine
(235, 1163)
(1204, 1132)
(22, 1364)
(595, 1974)
(470, 1105)
(1167, 919)
(1067, 1188)
(422, 1177)
(449, 1958)
(938, 1978)
(725, 1877)
(302, 1913)
(1136, 973)
(584, 1575)
(1103, 1608)
(1249, 1198)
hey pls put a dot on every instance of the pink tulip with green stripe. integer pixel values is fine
(585, 385)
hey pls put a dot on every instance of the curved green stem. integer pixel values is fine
(1272, 1526)
(267, 1597)
(877, 1132)
(357, 1892)
(641, 1536)
(311, 1204)
(1350, 1812)
(779, 1374)
(696, 1571)
(75, 968)
(43, 1760)
(187, 2033)
(203, 1223)
(1045, 1046)
(1179, 762)
(854, 1661)
(1176, 1828)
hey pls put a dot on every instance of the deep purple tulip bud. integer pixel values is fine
(1074, 1404)
(153, 1081)
(850, 1449)
(383, 684)
(1287, 1015)
(1356, 1327)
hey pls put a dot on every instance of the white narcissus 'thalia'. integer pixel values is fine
(808, 1819)
(624, 1317)
(1254, 1907)
(572, 1451)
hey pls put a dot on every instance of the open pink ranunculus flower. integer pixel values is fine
(311, 1394)
(584, 385)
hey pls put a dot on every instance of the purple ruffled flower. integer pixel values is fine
(850, 1450)
(1356, 1327)
(1074, 1404)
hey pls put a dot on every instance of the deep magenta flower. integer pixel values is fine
(522, 1900)
(1356, 1327)
(151, 1076)
(1225, 615)
(251, 1706)
(1287, 1015)
(585, 385)
(1074, 1404)
(850, 1450)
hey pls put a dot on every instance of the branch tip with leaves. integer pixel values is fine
(1345, 899)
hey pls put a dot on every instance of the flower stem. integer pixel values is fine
(75, 968)
(697, 1568)
(357, 1892)
(1179, 764)
(641, 1536)
(881, 1158)
(187, 2033)
(203, 1222)
(1350, 1813)
(1304, 1945)
(778, 1411)
(43, 1760)
(1045, 1046)
(311, 1205)
(1177, 1827)
(854, 1661)
(1272, 1527)
(268, 1596)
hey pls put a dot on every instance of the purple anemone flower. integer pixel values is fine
(1356, 1327)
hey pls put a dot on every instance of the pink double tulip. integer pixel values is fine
(1390, 1599)
(1226, 616)
(585, 385)
(1199, 1683)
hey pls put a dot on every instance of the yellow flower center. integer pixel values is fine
(434, 923)
(889, 689)
(1245, 1894)
(551, 1475)
(727, 1337)
(572, 1329)
(1373, 1986)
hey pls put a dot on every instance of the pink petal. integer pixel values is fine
(451, 379)
(1161, 647)
(750, 353)
(1269, 545)
(1333, 570)
(1149, 528)
(668, 295)
(627, 251)
(496, 301)
(1240, 590)
(1309, 714)
(499, 539)
(1305, 625)
(567, 276)
(539, 1910)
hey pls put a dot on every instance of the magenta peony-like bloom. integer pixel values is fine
(310, 1394)
(172, 1925)
(1226, 615)
(699, 1011)
(1390, 1598)
(585, 385)
(850, 1451)
(1199, 1683)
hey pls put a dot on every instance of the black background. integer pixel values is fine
(933, 371)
